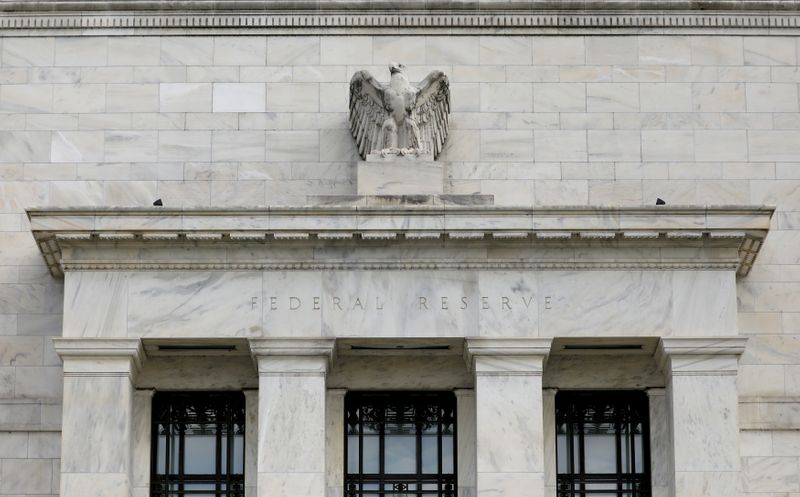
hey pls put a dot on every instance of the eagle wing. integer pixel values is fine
(431, 111)
(367, 111)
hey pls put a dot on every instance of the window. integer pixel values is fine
(400, 444)
(602, 444)
(198, 444)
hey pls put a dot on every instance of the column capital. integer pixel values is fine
(100, 356)
(292, 355)
(699, 356)
(507, 356)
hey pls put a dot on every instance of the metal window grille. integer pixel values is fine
(602, 444)
(197, 444)
(400, 444)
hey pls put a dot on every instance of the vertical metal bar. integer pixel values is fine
(618, 444)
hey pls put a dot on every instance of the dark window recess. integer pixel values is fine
(198, 444)
(602, 444)
(400, 444)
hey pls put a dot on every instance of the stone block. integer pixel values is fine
(292, 146)
(559, 97)
(666, 50)
(400, 177)
(612, 97)
(72, 51)
(505, 50)
(506, 145)
(134, 51)
(558, 50)
(292, 97)
(13, 445)
(187, 51)
(506, 97)
(769, 51)
(406, 49)
(345, 50)
(559, 145)
(238, 145)
(463, 50)
(772, 97)
(717, 50)
(26, 98)
(665, 97)
(24, 146)
(131, 146)
(719, 145)
(239, 97)
(611, 50)
(240, 50)
(26, 476)
(667, 145)
(132, 98)
(28, 52)
(718, 97)
(770, 474)
(79, 98)
(616, 145)
(44, 445)
(184, 145)
(77, 146)
(774, 146)
(293, 50)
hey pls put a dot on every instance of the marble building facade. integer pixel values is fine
(534, 263)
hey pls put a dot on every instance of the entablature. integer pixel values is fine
(388, 16)
(400, 237)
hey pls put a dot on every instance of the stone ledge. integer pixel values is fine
(723, 232)
(254, 6)
(116, 17)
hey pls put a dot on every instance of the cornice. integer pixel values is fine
(378, 228)
(82, 17)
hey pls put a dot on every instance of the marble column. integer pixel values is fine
(702, 406)
(509, 415)
(250, 443)
(334, 442)
(98, 415)
(142, 422)
(291, 415)
(549, 413)
(465, 417)
(660, 464)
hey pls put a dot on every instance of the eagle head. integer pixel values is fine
(394, 67)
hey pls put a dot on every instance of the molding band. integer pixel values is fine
(388, 22)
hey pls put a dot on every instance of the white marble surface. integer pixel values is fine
(400, 372)
(400, 177)
(194, 304)
(98, 305)
(391, 303)
(467, 461)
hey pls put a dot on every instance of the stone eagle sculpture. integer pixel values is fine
(399, 118)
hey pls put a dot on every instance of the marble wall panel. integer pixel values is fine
(604, 372)
(106, 447)
(95, 304)
(400, 372)
(605, 303)
(198, 373)
(194, 304)
(509, 420)
(400, 303)
(699, 444)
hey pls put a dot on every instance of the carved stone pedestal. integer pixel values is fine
(400, 176)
